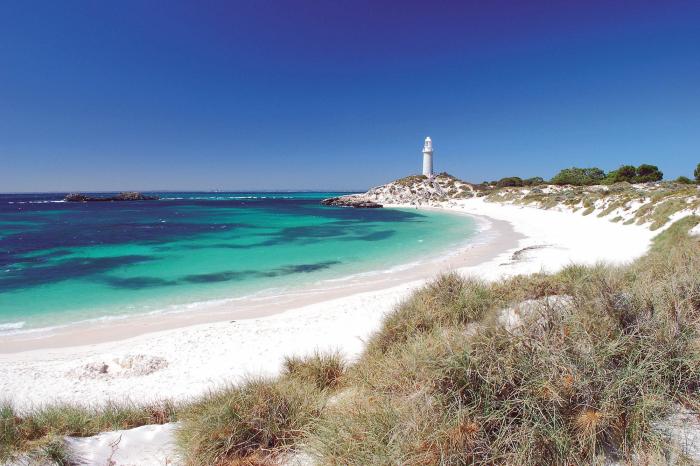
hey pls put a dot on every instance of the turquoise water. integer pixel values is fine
(65, 262)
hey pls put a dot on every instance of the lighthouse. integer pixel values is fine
(428, 158)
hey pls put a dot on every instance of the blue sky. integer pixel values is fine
(339, 95)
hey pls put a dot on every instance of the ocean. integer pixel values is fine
(62, 263)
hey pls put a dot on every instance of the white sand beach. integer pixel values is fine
(187, 361)
(184, 362)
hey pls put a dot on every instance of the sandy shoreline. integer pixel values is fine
(182, 358)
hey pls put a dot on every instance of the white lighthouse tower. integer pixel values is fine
(428, 158)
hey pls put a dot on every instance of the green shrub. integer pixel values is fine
(579, 176)
(512, 181)
(647, 173)
(684, 180)
(626, 173)
(696, 173)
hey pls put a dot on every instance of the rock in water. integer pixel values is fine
(125, 196)
(76, 197)
(349, 202)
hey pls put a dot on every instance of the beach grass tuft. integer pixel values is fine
(325, 370)
(254, 423)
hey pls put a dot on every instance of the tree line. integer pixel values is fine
(576, 176)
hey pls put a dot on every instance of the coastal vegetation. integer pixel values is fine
(626, 188)
(655, 204)
(516, 181)
(644, 173)
(577, 367)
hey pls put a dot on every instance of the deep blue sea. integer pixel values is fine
(68, 262)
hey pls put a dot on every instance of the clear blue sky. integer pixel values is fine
(241, 95)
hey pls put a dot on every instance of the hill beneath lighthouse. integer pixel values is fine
(415, 190)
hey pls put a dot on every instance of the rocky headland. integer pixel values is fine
(411, 190)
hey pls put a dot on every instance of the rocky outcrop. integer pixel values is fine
(412, 190)
(125, 196)
(349, 201)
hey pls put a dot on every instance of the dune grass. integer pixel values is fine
(40, 431)
(576, 382)
(659, 201)
(262, 420)
(579, 367)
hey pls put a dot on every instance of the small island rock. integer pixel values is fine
(125, 196)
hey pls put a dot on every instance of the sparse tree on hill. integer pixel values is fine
(647, 173)
(697, 173)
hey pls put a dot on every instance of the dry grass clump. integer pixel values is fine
(254, 423)
(448, 300)
(325, 370)
(40, 432)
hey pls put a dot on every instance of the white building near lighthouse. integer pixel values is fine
(428, 158)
